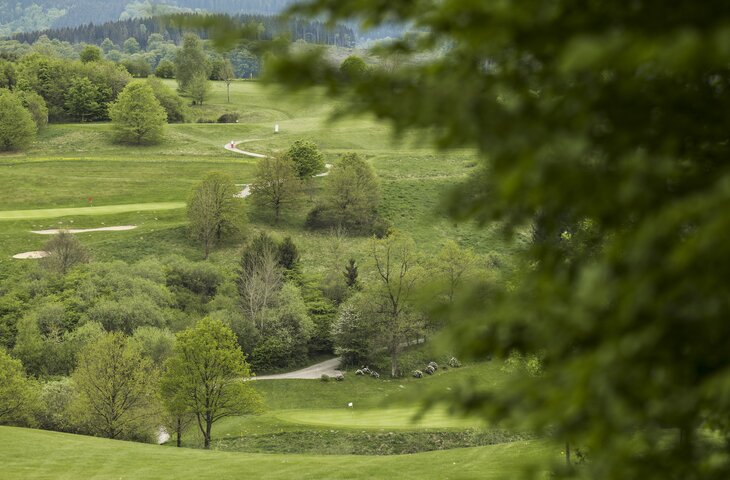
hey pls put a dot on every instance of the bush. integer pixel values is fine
(165, 69)
(228, 118)
(325, 377)
(137, 115)
(204, 120)
(17, 128)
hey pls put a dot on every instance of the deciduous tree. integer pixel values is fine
(137, 116)
(17, 393)
(207, 373)
(214, 211)
(276, 183)
(64, 251)
(116, 386)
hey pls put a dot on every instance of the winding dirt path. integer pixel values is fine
(246, 192)
(312, 372)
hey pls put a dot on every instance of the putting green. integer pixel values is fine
(391, 418)
(102, 210)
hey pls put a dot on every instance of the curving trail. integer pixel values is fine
(232, 147)
(312, 372)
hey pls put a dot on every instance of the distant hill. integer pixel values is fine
(18, 16)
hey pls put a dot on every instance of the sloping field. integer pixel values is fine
(49, 455)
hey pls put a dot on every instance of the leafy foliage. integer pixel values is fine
(137, 116)
(116, 388)
(206, 374)
(64, 252)
(307, 158)
(214, 212)
(276, 184)
(17, 128)
(601, 115)
(17, 393)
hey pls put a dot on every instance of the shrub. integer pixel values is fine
(17, 128)
(325, 377)
(228, 118)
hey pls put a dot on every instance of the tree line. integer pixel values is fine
(141, 28)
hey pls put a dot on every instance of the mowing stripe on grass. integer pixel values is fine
(102, 210)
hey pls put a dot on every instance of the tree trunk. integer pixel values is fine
(567, 453)
(208, 428)
(178, 430)
(394, 361)
(228, 87)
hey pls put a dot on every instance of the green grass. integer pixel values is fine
(378, 419)
(71, 162)
(49, 455)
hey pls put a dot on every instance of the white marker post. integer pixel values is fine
(276, 128)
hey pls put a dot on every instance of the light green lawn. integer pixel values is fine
(49, 455)
(388, 418)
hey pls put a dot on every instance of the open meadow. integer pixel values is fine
(72, 165)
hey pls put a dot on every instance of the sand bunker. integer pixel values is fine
(54, 231)
(31, 255)
(245, 192)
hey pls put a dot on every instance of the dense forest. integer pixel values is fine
(141, 28)
(30, 15)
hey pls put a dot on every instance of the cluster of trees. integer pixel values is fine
(605, 130)
(125, 387)
(72, 90)
(21, 115)
(351, 191)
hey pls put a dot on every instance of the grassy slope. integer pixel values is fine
(69, 163)
(49, 455)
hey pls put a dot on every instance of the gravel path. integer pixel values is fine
(328, 367)
(231, 147)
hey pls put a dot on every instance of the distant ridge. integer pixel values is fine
(17, 16)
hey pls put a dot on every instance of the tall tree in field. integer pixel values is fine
(17, 128)
(137, 116)
(198, 88)
(276, 183)
(64, 252)
(227, 75)
(352, 194)
(207, 375)
(214, 211)
(17, 393)
(190, 62)
(391, 296)
(116, 387)
(601, 113)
